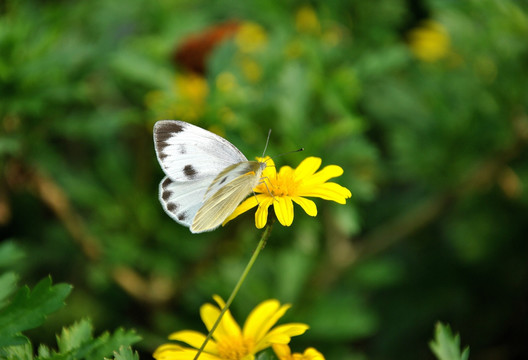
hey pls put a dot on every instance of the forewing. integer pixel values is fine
(187, 152)
(181, 200)
(223, 202)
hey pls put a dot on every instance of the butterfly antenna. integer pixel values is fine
(289, 152)
(286, 153)
(267, 142)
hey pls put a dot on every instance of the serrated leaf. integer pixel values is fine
(107, 343)
(446, 346)
(74, 336)
(28, 309)
(77, 342)
(44, 351)
(126, 353)
(21, 352)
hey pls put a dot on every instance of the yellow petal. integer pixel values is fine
(281, 335)
(290, 329)
(166, 350)
(261, 215)
(283, 207)
(286, 172)
(327, 191)
(307, 167)
(262, 318)
(282, 351)
(227, 327)
(307, 205)
(176, 352)
(312, 354)
(270, 170)
(194, 339)
(328, 172)
(219, 301)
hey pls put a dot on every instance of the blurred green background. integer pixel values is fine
(423, 104)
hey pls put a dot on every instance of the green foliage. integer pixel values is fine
(126, 353)
(446, 346)
(28, 309)
(24, 309)
(77, 342)
(266, 355)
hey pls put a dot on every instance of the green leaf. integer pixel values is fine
(7, 287)
(44, 351)
(28, 310)
(126, 353)
(73, 337)
(21, 352)
(106, 343)
(266, 355)
(77, 342)
(446, 346)
(10, 254)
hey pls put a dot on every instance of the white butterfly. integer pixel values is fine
(207, 176)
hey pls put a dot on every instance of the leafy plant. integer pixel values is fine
(23, 309)
(446, 346)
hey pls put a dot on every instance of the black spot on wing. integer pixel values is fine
(182, 216)
(166, 182)
(223, 180)
(166, 195)
(189, 171)
(172, 207)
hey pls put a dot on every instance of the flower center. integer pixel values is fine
(283, 186)
(235, 348)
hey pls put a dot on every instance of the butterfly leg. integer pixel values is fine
(263, 181)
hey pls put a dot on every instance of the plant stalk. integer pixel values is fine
(260, 246)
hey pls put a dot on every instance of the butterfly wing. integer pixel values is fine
(181, 200)
(188, 153)
(226, 192)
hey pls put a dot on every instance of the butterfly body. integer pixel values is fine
(206, 176)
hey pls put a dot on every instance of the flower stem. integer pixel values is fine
(260, 246)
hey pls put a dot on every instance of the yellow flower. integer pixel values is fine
(283, 352)
(251, 38)
(186, 98)
(292, 185)
(191, 88)
(229, 342)
(430, 41)
(306, 20)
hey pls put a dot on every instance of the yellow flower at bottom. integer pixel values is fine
(281, 189)
(283, 352)
(229, 342)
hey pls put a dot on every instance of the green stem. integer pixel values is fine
(260, 246)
